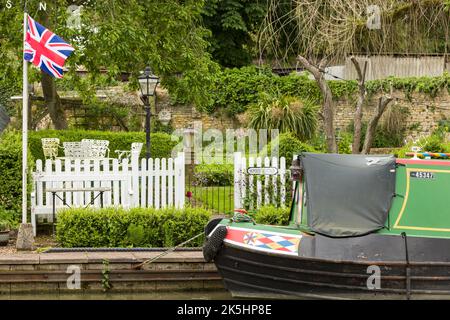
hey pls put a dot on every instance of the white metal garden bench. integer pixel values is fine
(86, 149)
(126, 154)
(50, 147)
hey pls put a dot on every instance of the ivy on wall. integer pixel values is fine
(235, 89)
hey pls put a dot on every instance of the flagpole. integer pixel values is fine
(24, 127)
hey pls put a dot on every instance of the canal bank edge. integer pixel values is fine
(93, 272)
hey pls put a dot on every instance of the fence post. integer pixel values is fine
(179, 180)
(237, 180)
(283, 186)
(135, 178)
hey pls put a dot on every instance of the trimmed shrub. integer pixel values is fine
(161, 143)
(11, 174)
(214, 174)
(12, 217)
(137, 227)
(272, 215)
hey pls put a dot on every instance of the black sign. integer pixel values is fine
(421, 175)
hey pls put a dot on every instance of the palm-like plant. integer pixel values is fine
(285, 113)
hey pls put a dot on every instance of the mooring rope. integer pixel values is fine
(407, 268)
(140, 265)
(241, 215)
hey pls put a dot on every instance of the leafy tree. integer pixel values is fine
(233, 24)
(118, 36)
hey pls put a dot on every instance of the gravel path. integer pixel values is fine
(39, 242)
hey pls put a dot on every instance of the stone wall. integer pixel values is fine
(424, 112)
(183, 116)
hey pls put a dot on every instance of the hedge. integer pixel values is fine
(161, 143)
(214, 174)
(272, 215)
(137, 227)
(11, 174)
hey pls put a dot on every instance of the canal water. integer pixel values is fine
(181, 295)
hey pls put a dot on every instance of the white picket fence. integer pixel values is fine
(159, 185)
(272, 189)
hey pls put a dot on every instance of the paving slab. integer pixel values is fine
(121, 257)
(186, 256)
(20, 258)
(63, 257)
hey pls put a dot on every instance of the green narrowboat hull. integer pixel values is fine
(408, 258)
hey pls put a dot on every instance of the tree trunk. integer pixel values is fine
(51, 97)
(361, 76)
(372, 126)
(53, 102)
(327, 107)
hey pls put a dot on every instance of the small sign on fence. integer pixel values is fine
(262, 171)
(259, 181)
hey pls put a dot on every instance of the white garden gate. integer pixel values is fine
(260, 181)
(131, 184)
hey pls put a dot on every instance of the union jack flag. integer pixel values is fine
(45, 49)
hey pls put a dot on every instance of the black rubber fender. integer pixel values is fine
(214, 243)
(211, 225)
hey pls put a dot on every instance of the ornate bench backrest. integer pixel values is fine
(136, 146)
(50, 147)
(96, 148)
(74, 150)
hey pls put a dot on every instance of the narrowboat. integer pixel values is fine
(361, 227)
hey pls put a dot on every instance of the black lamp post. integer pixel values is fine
(148, 83)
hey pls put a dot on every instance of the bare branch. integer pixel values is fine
(372, 126)
(357, 120)
(327, 106)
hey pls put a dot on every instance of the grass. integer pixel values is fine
(219, 199)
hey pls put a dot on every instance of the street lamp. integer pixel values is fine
(148, 83)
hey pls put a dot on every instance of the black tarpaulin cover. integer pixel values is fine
(348, 195)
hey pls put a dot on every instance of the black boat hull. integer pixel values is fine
(316, 272)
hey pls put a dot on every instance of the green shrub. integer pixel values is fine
(288, 146)
(4, 225)
(214, 174)
(272, 215)
(117, 227)
(11, 173)
(285, 113)
(433, 143)
(12, 217)
(161, 143)
(344, 142)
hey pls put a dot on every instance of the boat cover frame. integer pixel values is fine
(348, 195)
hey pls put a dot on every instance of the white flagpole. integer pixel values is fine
(24, 127)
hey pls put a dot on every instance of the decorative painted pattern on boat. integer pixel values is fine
(264, 240)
